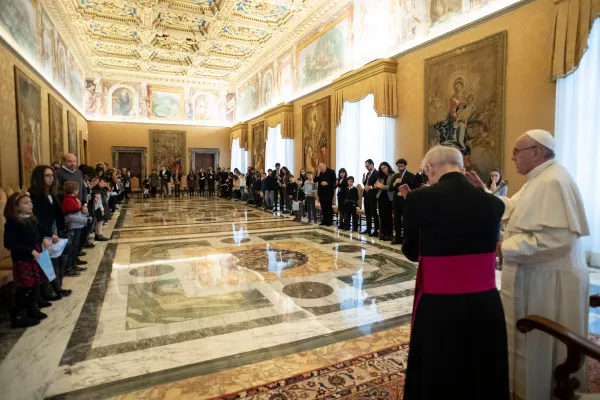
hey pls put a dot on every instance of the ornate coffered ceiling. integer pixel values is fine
(203, 42)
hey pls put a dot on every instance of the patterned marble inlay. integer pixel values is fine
(235, 240)
(152, 270)
(349, 248)
(269, 259)
(307, 290)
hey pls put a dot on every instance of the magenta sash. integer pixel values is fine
(463, 274)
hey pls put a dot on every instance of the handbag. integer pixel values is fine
(295, 205)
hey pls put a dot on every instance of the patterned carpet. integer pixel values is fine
(378, 375)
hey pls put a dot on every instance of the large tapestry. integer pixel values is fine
(55, 115)
(316, 133)
(258, 146)
(464, 95)
(29, 120)
(72, 133)
(168, 148)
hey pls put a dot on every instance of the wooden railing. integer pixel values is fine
(578, 347)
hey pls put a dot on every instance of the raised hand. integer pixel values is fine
(474, 179)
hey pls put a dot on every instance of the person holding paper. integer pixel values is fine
(458, 342)
(22, 237)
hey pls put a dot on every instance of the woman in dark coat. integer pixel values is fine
(191, 182)
(202, 181)
(51, 223)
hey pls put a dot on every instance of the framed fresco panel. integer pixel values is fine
(72, 133)
(55, 115)
(316, 133)
(258, 146)
(166, 103)
(327, 53)
(464, 102)
(168, 148)
(29, 121)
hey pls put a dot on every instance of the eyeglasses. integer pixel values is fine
(517, 151)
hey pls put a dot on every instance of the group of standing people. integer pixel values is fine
(166, 183)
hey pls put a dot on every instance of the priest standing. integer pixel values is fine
(544, 269)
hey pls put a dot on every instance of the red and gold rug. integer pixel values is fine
(378, 375)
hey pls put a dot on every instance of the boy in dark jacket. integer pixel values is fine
(350, 204)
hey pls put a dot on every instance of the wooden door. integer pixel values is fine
(131, 161)
(203, 160)
(84, 155)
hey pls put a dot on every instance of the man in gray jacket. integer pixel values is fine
(70, 172)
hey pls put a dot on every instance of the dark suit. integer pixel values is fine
(444, 223)
(370, 200)
(399, 202)
(326, 194)
(418, 180)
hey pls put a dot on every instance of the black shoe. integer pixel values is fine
(89, 246)
(44, 304)
(79, 269)
(101, 239)
(72, 273)
(366, 232)
(375, 233)
(36, 314)
(21, 320)
(50, 297)
(66, 292)
(81, 262)
(81, 254)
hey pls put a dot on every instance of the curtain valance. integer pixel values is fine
(379, 78)
(282, 114)
(572, 24)
(239, 131)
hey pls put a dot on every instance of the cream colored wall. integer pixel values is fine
(529, 94)
(104, 135)
(9, 149)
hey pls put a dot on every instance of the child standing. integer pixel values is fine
(76, 215)
(22, 237)
(309, 197)
(237, 195)
(146, 187)
(258, 194)
(299, 199)
(350, 203)
(291, 190)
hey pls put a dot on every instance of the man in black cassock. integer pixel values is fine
(326, 180)
(458, 345)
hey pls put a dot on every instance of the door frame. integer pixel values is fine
(128, 149)
(192, 156)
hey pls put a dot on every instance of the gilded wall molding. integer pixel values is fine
(281, 114)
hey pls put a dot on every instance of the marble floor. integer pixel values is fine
(195, 298)
(215, 296)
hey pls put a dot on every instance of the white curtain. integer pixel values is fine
(239, 156)
(279, 150)
(362, 135)
(577, 134)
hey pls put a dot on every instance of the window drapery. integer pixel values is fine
(278, 150)
(572, 25)
(362, 135)
(282, 115)
(239, 156)
(377, 78)
(577, 137)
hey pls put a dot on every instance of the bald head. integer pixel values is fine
(529, 154)
(322, 167)
(69, 160)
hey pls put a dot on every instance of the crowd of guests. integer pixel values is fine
(65, 201)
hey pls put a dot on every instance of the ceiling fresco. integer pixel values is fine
(198, 40)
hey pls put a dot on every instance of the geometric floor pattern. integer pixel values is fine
(193, 291)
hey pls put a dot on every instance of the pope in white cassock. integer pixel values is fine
(544, 271)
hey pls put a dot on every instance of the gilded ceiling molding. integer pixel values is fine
(282, 114)
(572, 26)
(239, 131)
(377, 77)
